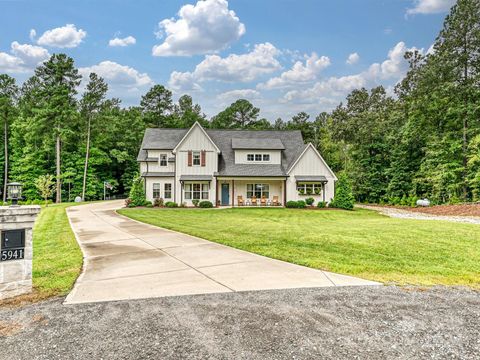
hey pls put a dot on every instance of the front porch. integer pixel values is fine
(258, 191)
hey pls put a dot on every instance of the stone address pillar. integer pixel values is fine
(16, 250)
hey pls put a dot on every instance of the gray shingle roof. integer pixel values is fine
(292, 141)
(257, 144)
(160, 139)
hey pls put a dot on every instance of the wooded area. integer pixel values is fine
(424, 141)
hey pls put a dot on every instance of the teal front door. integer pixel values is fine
(225, 194)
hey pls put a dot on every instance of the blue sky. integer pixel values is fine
(283, 55)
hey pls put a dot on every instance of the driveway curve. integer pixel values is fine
(125, 259)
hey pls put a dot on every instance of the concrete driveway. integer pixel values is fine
(125, 259)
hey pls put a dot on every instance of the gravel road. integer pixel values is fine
(405, 214)
(323, 323)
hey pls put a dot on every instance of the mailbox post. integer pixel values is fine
(16, 251)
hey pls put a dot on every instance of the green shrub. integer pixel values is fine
(148, 204)
(292, 204)
(137, 192)
(158, 202)
(322, 204)
(195, 202)
(343, 194)
(131, 205)
(301, 204)
(171, 204)
(309, 201)
(205, 204)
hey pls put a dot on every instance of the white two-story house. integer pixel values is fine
(232, 167)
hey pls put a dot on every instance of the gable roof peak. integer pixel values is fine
(188, 133)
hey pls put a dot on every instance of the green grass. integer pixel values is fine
(361, 242)
(57, 258)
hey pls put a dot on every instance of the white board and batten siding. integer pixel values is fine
(310, 164)
(196, 140)
(241, 156)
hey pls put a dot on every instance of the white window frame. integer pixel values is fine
(258, 157)
(169, 191)
(196, 191)
(313, 185)
(199, 158)
(156, 187)
(161, 159)
(257, 189)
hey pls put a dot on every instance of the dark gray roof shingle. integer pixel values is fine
(291, 140)
(257, 144)
(160, 139)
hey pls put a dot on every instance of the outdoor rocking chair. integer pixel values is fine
(240, 201)
(254, 201)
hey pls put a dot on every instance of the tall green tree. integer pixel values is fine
(90, 106)
(157, 107)
(59, 80)
(186, 113)
(8, 95)
(240, 114)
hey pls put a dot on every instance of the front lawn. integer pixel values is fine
(361, 242)
(57, 258)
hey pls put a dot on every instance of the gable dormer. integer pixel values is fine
(257, 150)
(196, 153)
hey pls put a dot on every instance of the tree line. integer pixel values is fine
(421, 141)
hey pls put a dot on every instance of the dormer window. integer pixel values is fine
(163, 159)
(258, 157)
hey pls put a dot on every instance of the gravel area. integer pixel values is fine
(405, 214)
(324, 323)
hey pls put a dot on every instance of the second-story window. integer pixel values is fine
(258, 157)
(196, 158)
(163, 159)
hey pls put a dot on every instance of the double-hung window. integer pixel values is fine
(196, 191)
(258, 190)
(196, 158)
(163, 159)
(167, 190)
(156, 190)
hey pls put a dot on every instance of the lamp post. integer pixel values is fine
(14, 192)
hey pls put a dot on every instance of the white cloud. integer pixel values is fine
(24, 58)
(299, 73)
(430, 6)
(62, 37)
(206, 27)
(32, 35)
(31, 55)
(183, 81)
(11, 64)
(353, 58)
(234, 95)
(129, 40)
(233, 68)
(118, 75)
(392, 69)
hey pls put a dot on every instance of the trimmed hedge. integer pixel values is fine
(171, 204)
(205, 204)
(301, 204)
(309, 201)
(291, 204)
(322, 204)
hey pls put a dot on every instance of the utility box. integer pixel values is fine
(16, 249)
